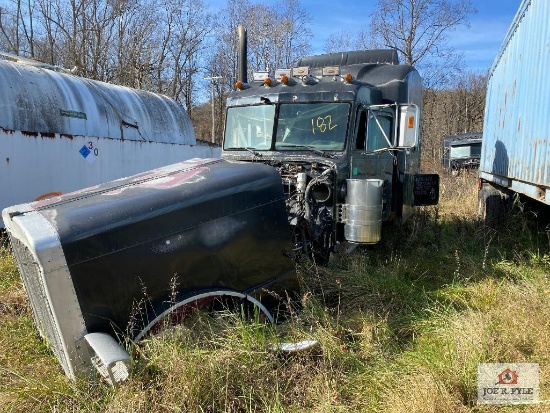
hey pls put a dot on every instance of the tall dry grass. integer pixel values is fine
(401, 327)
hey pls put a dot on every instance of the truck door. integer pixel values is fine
(371, 157)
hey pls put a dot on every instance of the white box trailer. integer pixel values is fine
(60, 132)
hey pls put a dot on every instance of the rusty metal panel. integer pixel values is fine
(516, 128)
(42, 100)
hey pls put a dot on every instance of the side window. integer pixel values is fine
(378, 125)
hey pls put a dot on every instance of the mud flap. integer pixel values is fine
(425, 189)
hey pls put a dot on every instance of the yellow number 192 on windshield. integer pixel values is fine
(322, 124)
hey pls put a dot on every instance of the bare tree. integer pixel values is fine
(457, 109)
(277, 36)
(47, 44)
(162, 46)
(9, 30)
(180, 46)
(16, 27)
(364, 41)
(470, 89)
(418, 30)
(158, 46)
(260, 26)
(142, 33)
(339, 41)
(293, 33)
(222, 63)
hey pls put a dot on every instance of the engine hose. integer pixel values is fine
(308, 191)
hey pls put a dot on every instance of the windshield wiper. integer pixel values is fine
(251, 150)
(309, 148)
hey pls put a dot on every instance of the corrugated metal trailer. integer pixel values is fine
(515, 156)
(60, 132)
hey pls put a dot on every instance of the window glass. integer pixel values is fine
(465, 151)
(320, 125)
(377, 125)
(249, 127)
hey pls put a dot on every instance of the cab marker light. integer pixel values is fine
(241, 86)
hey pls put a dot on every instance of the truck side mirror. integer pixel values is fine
(409, 126)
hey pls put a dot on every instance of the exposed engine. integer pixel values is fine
(310, 202)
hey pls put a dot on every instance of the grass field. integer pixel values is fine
(401, 327)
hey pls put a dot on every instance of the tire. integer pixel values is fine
(493, 205)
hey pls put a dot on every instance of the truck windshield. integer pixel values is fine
(300, 126)
(249, 127)
(321, 126)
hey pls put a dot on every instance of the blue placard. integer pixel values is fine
(84, 151)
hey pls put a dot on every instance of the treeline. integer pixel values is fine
(456, 109)
(174, 46)
(165, 46)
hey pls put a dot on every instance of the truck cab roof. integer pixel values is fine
(319, 78)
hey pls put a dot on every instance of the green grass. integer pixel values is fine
(401, 328)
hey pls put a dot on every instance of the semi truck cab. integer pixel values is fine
(343, 130)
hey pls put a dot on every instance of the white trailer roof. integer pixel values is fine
(39, 99)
